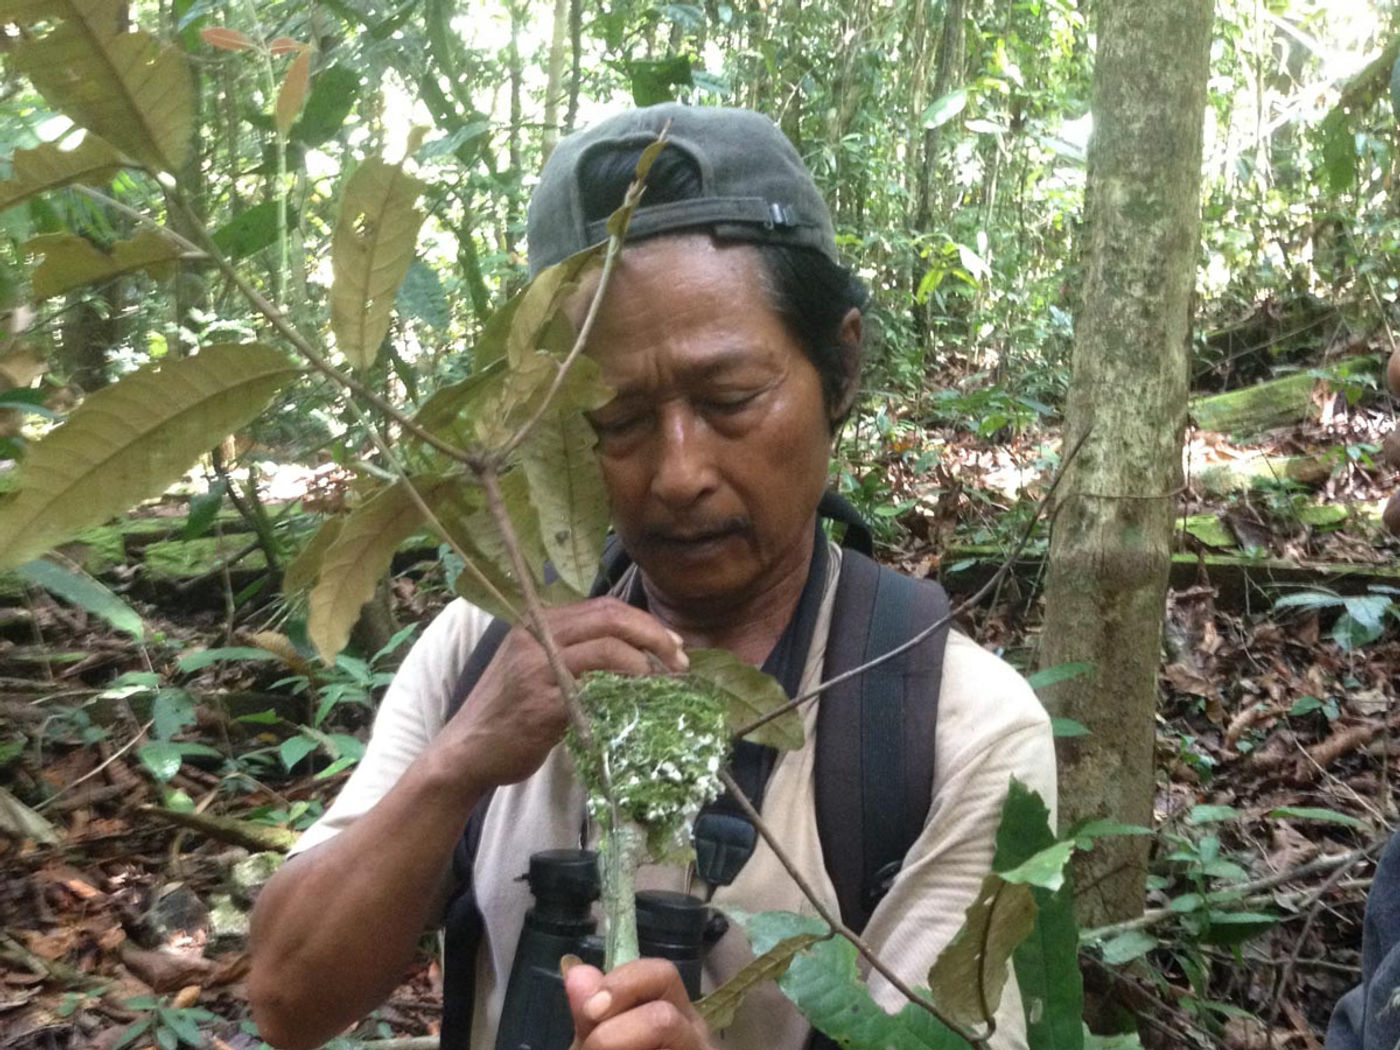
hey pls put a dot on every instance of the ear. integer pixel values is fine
(852, 340)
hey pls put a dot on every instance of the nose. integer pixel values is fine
(685, 470)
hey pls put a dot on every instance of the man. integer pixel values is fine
(732, 336)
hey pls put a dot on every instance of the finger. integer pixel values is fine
(638, 982)
(609, 617)
(607, 654)
(654, 1025)
(581, 983)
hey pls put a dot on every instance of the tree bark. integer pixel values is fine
(1109, 555)
(554, 88)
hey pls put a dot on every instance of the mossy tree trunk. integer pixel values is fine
(1109, 554)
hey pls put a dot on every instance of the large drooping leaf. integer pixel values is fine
(334, 92)
(1047, 962)
(451, 412)
(719, 1007)
(370, 255)
(462, 513)
(360, 555)
(501, 410)
(127, 87)
(253, 229)
(824, 982)
(539, 305)
(71, 261)
(301, 571)
(82, 590)
(751, 694)
(131, 440)
(970, 973)
(567, 489)
(47, 167)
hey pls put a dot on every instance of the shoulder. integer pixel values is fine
(429, 674)
(978, 680)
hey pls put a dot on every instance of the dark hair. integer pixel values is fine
(808, 291)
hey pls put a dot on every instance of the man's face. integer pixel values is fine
(715, 449)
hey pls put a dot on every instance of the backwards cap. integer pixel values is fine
(754, 186)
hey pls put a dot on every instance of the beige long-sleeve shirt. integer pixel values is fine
(990, 727)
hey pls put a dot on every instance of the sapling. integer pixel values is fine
(658, 743)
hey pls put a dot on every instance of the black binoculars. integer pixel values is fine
(565, 884)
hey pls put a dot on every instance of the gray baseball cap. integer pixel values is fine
(754, 186)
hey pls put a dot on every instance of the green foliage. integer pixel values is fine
(663, 740)
(82, 590)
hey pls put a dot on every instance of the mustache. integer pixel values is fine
(691, 531)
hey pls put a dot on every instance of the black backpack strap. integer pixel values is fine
(875, 732)
(463, 926)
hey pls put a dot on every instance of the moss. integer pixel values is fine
(664, 739)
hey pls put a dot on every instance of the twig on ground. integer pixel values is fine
(136, 739)
(835, 923)
(1313, 907)
(1232, 890)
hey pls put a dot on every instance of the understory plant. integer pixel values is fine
(500, 467)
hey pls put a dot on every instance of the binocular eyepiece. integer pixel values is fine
(565, 883)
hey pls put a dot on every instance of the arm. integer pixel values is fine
(334, 929)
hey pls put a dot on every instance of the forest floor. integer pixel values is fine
(1276, 761)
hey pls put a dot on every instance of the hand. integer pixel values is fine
(640, 1006)
(516, 713)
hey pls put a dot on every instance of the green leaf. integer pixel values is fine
(92, 163)
(359, 558)
(127, 87)
(1047, 962)
(204, 508)
(568, 492)
(451, 412)
(252, 230)
(1065, 728)
(172, 711)
(1121, 1041)
(1085, 834)
(1338, 151)
(423, 297)
(970, 973)
(824, 983)
(129, 441)
(1350, 633)
(84, 591)
(163, 758)
(1235, 927)
(1045, 869)
(483, 537)
(301, 571)
(654, 80)
(1212, 814)
(718, 1008)
(536, 314)
(71, 261)
(294, 749)
(945, 109)
(751, 694)
(1049, 676)
(1128, 946)
(371, 251)
(198, 661)
(1316, 813)
(334, 92)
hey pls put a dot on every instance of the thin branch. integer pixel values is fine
(401, 474)
(834, 921)
(140, 735)
(279, 321)
(1232, 890)
(629, 204)
(534, 608)
(952, 615)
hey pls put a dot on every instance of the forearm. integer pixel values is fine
(333, 931)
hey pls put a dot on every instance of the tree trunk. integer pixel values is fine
(554, 88)
(1109, 555)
